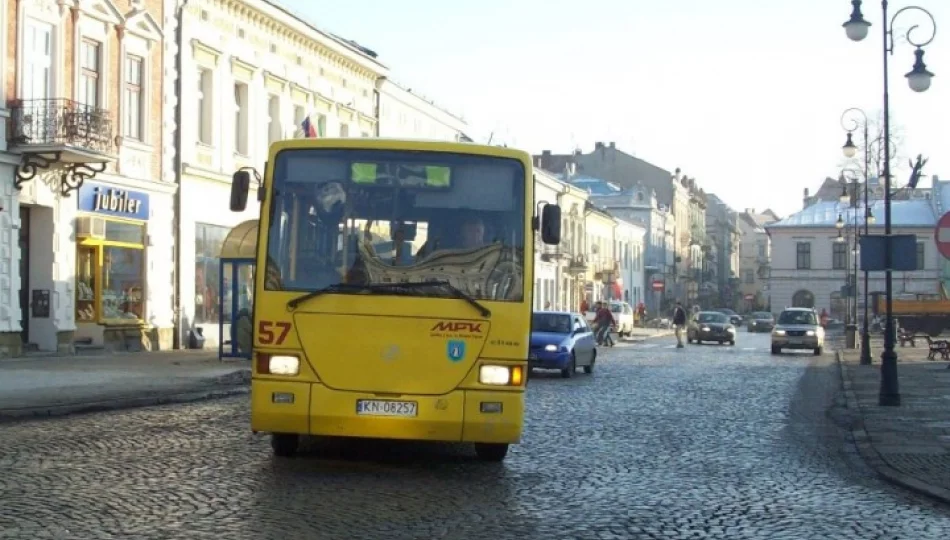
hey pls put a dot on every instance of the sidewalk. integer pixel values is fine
(907, 445)
(59, 385)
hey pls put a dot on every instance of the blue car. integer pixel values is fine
(561, 340)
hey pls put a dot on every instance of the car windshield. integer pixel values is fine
(711, 318)
(556, 323)
(363, 216)
(616, 308)
(798, 317)
(727, 311)
(762, 315)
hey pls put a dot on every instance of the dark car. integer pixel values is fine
(711, 326)
(761, 321)
(734, 317)
(561, 340)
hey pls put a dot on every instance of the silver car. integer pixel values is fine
(798, 328)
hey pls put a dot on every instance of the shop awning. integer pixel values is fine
(241, 242)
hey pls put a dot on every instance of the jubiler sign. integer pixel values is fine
(113, 201)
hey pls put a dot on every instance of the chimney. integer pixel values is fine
(805, 199)
(545, 153)
(598, 145)
(613, 145)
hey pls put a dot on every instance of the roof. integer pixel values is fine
(911, 213)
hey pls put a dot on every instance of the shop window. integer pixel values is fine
(110, 275)
(208, 242)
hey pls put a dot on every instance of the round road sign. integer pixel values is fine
(942, 235)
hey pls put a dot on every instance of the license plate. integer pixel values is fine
(533, 356)
(795, 341)
(378, 407)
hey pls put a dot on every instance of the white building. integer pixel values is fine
(86, 220)
(629, 245)
(603, 264)
(405, 114)
(809, 267)
(547, 265)
(251, 74)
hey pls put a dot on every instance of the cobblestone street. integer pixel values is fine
(705, 442)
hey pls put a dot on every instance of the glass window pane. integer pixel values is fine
(86, 259)
(131, 233)
(123, 283)
(208, 242)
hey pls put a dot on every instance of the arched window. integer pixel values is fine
(804, 299)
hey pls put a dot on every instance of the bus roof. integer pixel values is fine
(382, 143)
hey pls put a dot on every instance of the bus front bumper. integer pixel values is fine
(306, 408)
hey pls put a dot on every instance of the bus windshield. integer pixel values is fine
(368, 216)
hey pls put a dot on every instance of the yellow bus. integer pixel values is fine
(396, 296)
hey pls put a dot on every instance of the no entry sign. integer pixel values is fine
(658, 286)
(942, 235)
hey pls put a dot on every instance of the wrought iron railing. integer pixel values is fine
(43, 122)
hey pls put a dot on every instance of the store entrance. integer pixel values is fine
(24, 242)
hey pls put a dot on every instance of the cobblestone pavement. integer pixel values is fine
(705, 442)
(913, 440)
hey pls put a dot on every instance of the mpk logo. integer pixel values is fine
(465, 327)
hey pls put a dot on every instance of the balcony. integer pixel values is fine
(61, 135)
(577, 265)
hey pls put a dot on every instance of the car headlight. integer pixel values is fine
(810, 333)
(731, 329)
(283, 365)
(550, 348)
(501, 375)
(779, 332)
(705, 329)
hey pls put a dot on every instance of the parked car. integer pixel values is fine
(561, 340)
(761, 321)
(711, 326)
(734, 317)
(798, 328)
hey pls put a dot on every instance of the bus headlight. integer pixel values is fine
(495, 375)
(282, 364)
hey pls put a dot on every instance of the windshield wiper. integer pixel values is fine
(335, 288)
(456, 292)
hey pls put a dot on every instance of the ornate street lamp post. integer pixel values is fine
(919, 79)
(850, 124)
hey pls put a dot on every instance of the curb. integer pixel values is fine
(873, 458)
(35, 413)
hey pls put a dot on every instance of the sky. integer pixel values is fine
(744, 95)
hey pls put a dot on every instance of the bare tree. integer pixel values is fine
(876, 149)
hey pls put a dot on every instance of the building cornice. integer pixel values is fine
(278, 21)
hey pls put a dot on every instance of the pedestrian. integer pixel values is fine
(679, 321)
(604, 320)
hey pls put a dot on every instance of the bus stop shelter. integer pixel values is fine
(236, 283)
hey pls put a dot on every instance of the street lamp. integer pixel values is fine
(849, 123)
(851, 199)
(919, 80)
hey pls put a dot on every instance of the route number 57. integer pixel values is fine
(272, 333)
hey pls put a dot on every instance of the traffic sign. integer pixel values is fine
(658, 286)
(942, 235)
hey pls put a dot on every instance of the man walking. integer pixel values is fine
(679, 321)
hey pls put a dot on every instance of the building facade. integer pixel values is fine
(722, 229)
(548, 267)
(629, 247)
(809, 267)
(251, 74)
(603, 268)
(573, 251)
(88, 203)
(755, 254)
(405, 114)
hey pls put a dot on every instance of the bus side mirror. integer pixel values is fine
(551, 224)
(240, 184)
